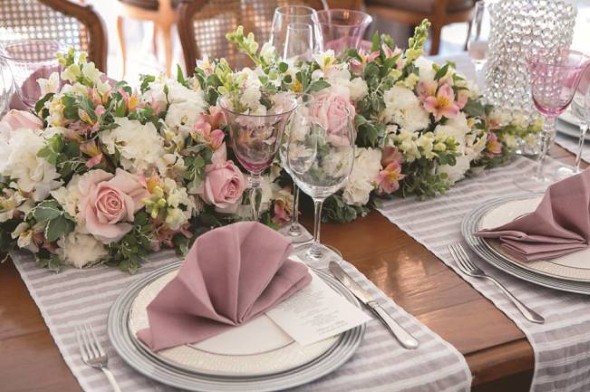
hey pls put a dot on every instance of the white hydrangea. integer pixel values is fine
(140, 146)
(358, 89)
(80, 250)
(402, 107)
(361, 182)
(20, 162)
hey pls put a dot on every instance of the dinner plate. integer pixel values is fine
(568, 273)
(326, 357)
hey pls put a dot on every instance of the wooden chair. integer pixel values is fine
(202, 25)
(162, 13)
(70, 23)
(439, 12)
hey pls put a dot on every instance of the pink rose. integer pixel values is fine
(17, 119)
(330, 111)
(107, 202)
(223, 186)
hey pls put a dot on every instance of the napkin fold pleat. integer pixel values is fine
(559, 225)
(231, 275)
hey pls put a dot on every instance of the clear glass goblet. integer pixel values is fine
(478, 39)
(554, 80)
(343, 29)
(320, 157)
(299, 42)
(255, 140)
(28, 61)
(294, 15)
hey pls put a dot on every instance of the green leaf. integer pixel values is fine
(180, 76)
(41, 103)
(145, 82)
(317, 86)
(441, 72)
(58, 227)
(46, 210)
(283, 67)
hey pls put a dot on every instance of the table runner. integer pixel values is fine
(561, 345)
(571, 144)
(74, 296)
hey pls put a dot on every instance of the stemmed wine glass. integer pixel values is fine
(296, 21)
(294, 230)
(581, 109)
(554, 78)
(479, 34)
(255, 140)
(299, 42)
(29, 60)
(320, 155)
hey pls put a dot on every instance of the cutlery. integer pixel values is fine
(403, 337)
(93, 354)
(469, 268)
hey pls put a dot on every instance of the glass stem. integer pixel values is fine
(583, 131)
(255, 194)
(316, 250)
(547, 137)
(295, 228)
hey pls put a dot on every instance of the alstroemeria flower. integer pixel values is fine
(443, 104)
(212, 137)
(493, 146)
(389, 178)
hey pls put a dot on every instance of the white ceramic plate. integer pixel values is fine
(256, 348)
(561, 274)
(181, 375)
(574, 266)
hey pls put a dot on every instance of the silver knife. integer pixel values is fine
(403, 337)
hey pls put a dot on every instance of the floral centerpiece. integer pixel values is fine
(104, 172)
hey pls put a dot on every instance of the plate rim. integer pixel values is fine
(150, 366)
(486, 252)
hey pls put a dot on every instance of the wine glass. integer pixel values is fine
(554, 78)
(294, 15)
(299, 42)
(294, 230)
(28, 61)
(479, 34)
(320, 155)
(343, 29)
(581, 109)
(255, 140)
(6, 86)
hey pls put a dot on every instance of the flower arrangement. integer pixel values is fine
(108, 173)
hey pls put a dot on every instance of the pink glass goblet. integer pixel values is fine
(554, 79)
(343, 29)
(255, 140)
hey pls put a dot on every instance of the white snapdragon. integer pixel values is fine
(406, 143)
(140, 145)
(21, 163)
(361, 182)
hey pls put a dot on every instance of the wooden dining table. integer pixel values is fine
(496, 350)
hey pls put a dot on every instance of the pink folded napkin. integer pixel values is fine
(560, 224)
(230, 275)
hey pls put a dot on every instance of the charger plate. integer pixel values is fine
(233, 363)
(568, 273)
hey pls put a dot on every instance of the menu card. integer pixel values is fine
(315, 313)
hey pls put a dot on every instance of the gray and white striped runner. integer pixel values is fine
(571, 144)
(380, 364)
(562, 344)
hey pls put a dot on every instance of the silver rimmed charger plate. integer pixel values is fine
(145, 362)
(472, 223)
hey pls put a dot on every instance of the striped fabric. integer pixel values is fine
(380, 364)
(562, 344)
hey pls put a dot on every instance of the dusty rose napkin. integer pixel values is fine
(230, 275)
(560, 224)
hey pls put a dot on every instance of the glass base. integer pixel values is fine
(534, 182)
(318, 256)
(563, 172)
(296, 233)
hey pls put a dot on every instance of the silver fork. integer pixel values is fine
(92, 352)
(468, 268)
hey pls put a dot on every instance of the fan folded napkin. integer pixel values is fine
(231, 275)
(560, 224)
